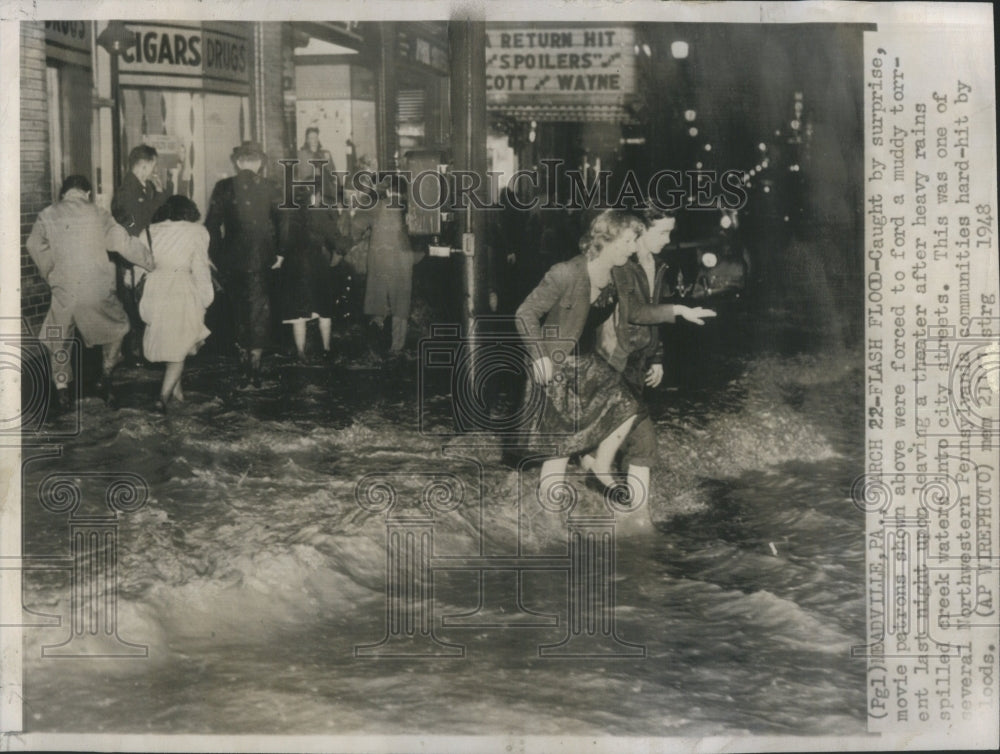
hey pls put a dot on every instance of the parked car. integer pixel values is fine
(706, 261)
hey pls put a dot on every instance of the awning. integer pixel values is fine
(581, 113)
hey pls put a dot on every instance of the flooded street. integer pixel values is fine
(252, 573)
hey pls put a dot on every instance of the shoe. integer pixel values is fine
(255, 378)
(243, 376)
(63, 403)
(587, 464)
(160, 406)
(367, 360)
(103, 389)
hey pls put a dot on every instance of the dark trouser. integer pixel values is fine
(132, 344)
(639, 448)
(251, 309)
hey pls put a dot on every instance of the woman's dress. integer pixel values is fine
(306, 289)
(586, 400)
(177, 292)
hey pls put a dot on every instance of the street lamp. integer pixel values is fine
(115, 39)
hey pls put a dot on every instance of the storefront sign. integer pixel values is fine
(532, 65)
(75, 34)
(420, 50)
(194, 52)
(68, 41)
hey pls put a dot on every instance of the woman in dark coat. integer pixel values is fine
(310, 238)
(242, 225)
(311, 150)
(586, 404)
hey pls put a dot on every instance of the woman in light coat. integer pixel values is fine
(177, 292)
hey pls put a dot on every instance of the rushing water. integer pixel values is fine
(252, 573)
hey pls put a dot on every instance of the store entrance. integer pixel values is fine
(69, 88)
(193, 132)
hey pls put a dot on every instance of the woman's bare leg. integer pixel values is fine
(325, 326)
(600, 462)
(637, 518)
(299, 335)
(171, 379)
(552, 475)
(638, 484)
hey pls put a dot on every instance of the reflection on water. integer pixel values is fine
(252, 573)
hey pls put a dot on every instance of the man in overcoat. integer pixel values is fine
(242, 221)
(69, 245)
(391, 259)
(135, 201)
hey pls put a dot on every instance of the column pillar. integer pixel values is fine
(468, 145)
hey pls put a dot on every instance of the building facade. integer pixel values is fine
(194, 90)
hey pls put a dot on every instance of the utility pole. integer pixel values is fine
(385, 95)
(467, 39)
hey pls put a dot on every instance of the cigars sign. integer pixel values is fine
(198, 52)
(538, 66)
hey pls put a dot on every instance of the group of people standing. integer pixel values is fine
(605, 300)
(163, 252)
(170, 268)
(316, 249)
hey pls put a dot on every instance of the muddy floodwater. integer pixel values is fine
(252, 573)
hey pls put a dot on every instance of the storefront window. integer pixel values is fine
(185, 90)
(193, 132)
(410, 119)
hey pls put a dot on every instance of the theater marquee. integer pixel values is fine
(560, 73)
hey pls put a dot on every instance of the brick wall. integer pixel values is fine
(35, 168)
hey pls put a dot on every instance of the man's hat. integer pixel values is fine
(249, 150)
